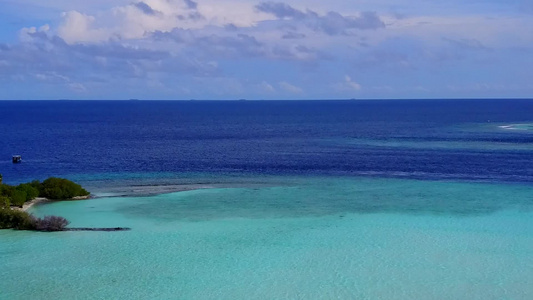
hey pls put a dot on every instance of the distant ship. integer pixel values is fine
(17, 159)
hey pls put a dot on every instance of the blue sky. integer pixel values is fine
(233, 49)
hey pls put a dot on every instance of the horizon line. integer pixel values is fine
(301, 99)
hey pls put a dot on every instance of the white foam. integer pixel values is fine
(522, 127)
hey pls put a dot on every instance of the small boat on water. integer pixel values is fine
(17, 159)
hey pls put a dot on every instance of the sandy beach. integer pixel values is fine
(31, 203)
(38, 200)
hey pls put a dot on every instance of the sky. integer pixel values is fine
(253, 49)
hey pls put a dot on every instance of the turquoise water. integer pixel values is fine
(309, 238)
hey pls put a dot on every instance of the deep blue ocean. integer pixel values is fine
(420, 139)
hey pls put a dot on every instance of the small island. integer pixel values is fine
(15, 200)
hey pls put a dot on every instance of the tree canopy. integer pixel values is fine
(60, 188)
(52, 188)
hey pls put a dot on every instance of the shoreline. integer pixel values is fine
(41, 200)
(31, 203)
(140, 191)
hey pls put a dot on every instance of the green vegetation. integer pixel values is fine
(21, 220)
(16, 219)
(52, 188)
(16, 196)
(30, 191)
(59, 188)
(4, 202)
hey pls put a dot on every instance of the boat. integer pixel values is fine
(17, 159)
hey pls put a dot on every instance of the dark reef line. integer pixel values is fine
(97, 229)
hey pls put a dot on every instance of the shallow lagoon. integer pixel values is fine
(309, 238)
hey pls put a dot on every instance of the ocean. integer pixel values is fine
(333, 199)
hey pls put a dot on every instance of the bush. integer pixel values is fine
(16, 219)
(29, 189)
(21, 220)
(6, 190)
(4, 202)
(59, 188)
(51, 223)
(52, 188)
(17, 197)
(36, 184)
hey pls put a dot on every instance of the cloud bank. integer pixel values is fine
(182, 49)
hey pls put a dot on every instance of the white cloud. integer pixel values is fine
(77, 87)
(290, 88)
(78, 27)
(24, 33)
(266, 87)
(217, 47)
(490, 30)
(348, 85)
(136, 20)
(51, 77)
(352, 84)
